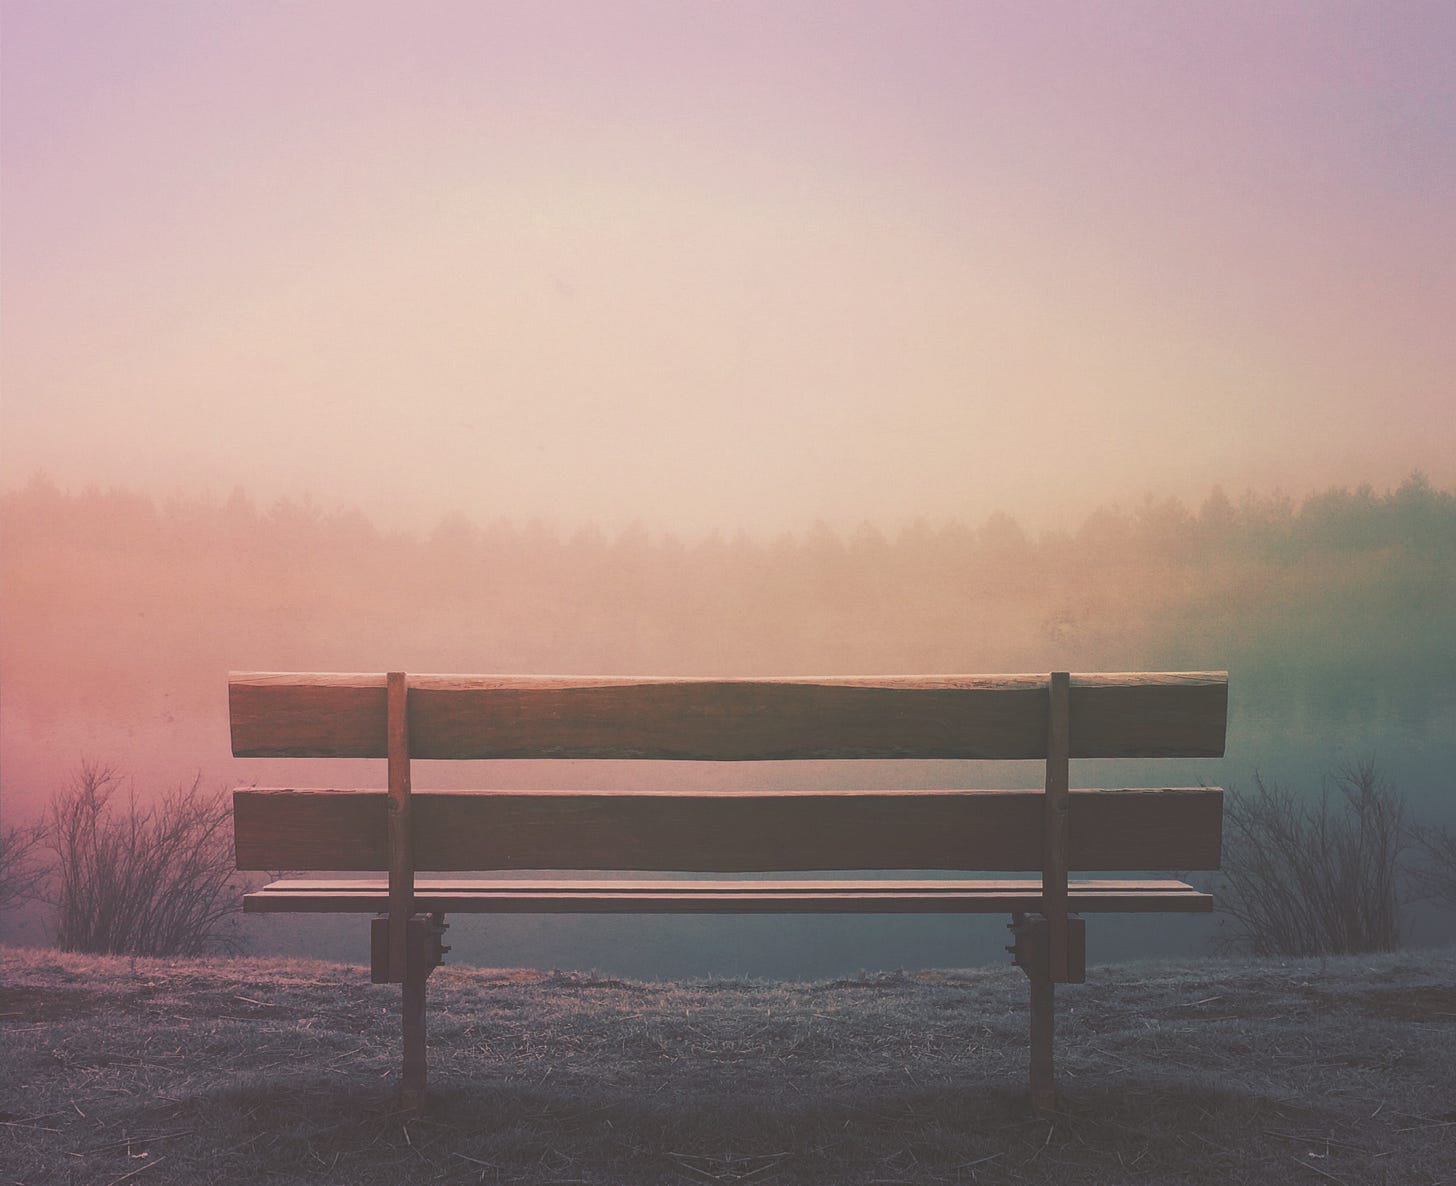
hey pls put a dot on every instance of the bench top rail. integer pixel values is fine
(1117, 715)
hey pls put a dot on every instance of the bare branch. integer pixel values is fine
(1315, 876)
(1435, 870)
(21, 870)
(138, 880)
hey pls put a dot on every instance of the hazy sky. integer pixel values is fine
(728, 263)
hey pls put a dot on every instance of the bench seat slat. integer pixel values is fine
(651, 885)
(506, 896)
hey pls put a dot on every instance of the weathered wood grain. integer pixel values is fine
(729, 831)
(1174, 714)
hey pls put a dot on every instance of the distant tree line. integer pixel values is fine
(112, 597)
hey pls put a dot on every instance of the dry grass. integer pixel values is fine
(283, 1071)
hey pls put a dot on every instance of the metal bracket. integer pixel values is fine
(1031, 948)
(424, 951)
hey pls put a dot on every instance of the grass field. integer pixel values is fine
(283, 1071)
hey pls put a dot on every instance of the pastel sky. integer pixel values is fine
(722, 264)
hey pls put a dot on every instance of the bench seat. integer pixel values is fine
(722, 896)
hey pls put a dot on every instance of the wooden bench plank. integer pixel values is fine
(729, 831)
(1168, 714)
(653, 884)
(504, 896)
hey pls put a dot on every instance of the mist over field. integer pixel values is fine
(800, 337)
(1334, 616)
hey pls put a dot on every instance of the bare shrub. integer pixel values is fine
(138, 880)
(1435, 871)
(1315, 876)
(21, 871)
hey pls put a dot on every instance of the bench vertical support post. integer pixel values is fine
(407, 964)
(1054, 824)
(1046, 976)
(400, 839)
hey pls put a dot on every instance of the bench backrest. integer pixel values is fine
(1125, 715)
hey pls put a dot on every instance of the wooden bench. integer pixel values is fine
(921, 835)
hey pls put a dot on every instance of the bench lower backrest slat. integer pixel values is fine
(715, 832)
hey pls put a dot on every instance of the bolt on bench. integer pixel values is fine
(1004, 717)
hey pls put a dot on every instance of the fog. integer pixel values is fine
(726, 266)
(760, 338)
(1333, 616)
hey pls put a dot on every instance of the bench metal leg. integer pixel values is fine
(424, 953)
(412, 1081)
(1031, 952)
(1043, 1023)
